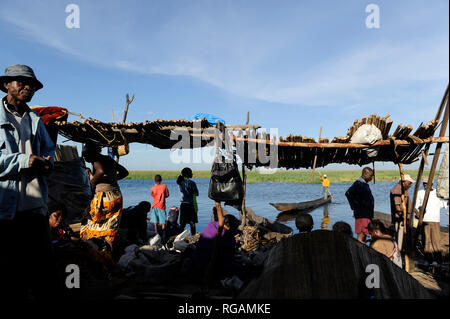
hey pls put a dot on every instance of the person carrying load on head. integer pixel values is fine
(326, 185)
(103, 215)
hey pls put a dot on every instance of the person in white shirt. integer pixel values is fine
(431, 222)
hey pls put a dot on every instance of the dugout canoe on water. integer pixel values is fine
(329, 265)
(301, 206)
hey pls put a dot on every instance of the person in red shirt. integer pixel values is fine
(158, 212)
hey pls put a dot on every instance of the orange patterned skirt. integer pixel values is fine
(103, 216)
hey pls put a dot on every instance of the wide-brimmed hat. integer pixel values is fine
(408, 178)
(15, 71)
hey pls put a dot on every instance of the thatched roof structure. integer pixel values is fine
(294, 151)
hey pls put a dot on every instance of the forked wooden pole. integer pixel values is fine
(127, 104)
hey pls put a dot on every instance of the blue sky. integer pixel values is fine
(295, 65)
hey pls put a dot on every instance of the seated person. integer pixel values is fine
(70, 249)
(383, 243)
(222, 247)
(134, 219)
(60, 232)
(343, 227)
(304, 223)
(172, 227)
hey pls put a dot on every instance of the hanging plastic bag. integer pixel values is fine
(225, 183)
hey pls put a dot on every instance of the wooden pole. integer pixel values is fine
(401, 143)
(433, 166)
(244, 182)
(373, 169)
(441, 106)
(410, 237)
(427, 147)
(411, 240)
(423, 161)
(315, 156)
(405, 246)
(127, 103)
(405, 212)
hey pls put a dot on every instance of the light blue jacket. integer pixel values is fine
(12, 162)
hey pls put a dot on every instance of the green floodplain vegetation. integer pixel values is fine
(288, 176)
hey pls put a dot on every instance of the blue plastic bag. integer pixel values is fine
(213, 120)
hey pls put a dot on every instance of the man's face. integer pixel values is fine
(368, 175)
(425, 185)
(375, 233)
(407, 185)
(21, 89)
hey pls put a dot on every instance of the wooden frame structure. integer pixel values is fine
(293, 152)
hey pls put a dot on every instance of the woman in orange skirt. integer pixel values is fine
(103, 215)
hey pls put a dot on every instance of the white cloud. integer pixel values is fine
(241, 54)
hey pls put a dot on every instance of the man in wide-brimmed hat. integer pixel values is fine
(397, 207)
(26, 153)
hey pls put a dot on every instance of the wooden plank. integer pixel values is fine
(443, 139)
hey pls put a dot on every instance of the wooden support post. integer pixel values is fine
(405, 212)
(433, 166)
(441, 106)
(413, 239)
(373, 168)
(315, 156)
(410, 237)
(424, 160)
(244, 182)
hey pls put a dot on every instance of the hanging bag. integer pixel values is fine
(225, 184)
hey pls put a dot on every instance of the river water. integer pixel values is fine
(259, 195)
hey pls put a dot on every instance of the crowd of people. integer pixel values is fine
(362, 203)
(28, 222)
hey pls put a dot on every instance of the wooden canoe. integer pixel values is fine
(302, 206)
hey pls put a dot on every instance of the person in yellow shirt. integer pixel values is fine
(326, 184)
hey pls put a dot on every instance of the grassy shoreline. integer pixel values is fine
(291, 176)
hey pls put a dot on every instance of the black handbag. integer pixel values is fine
(225, 184)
